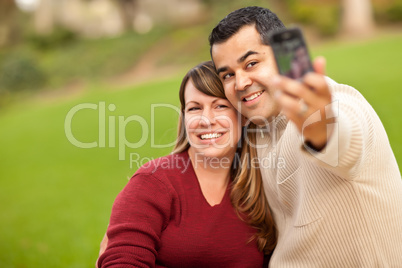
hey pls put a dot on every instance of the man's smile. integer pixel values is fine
(253, 97)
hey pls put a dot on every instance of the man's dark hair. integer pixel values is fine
(263, 19)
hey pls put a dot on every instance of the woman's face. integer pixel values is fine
(213, 126)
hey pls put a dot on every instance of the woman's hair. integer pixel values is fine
(247, 193)
(248, 196)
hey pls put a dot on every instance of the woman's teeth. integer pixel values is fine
(252, 97)
(211, 136)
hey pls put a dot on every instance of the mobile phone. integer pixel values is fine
(291, 53)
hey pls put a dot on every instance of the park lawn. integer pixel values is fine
(56, 197)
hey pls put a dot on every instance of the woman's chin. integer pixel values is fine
(213, 154)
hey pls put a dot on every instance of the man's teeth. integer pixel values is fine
(211, 136)
(252, 97)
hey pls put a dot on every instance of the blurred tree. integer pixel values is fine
(18, 72)
(8, 24)
(211, 3)
(44, 17)
(128, 11)
(357, 17)
(322, 15)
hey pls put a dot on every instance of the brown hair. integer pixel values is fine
(247, 195)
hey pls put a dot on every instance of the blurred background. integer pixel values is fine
(86, 70)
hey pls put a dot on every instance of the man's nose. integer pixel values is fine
(243, 81)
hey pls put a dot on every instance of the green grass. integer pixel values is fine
(56, 198)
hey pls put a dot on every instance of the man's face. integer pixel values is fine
(246, 67)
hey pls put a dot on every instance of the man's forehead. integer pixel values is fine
(246, 39)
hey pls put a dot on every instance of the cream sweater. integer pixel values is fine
(341, 207)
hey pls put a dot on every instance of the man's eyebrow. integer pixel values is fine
(240, 60)
(244, 57)
(222, 69)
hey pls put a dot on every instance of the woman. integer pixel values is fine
(176, 211)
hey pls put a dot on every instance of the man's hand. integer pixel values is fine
(302, 99)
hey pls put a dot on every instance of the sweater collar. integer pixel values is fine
(277, 125)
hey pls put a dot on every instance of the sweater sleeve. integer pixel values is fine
(350, 146)
(139, 214)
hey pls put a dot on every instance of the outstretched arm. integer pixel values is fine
(337, 123)
(301, 100)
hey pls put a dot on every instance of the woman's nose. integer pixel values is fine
(207, 118)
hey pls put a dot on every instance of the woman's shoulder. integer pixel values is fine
(166, 173)
(167, 167)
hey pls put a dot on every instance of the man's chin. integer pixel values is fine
(260, 123)
(256, 118)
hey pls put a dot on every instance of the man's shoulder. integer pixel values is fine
(339, 90)
(339, 87)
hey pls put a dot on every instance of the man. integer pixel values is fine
(337, 197)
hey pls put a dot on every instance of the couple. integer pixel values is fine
(336, 202)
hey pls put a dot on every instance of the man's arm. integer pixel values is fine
(300, 100)
(339, 126)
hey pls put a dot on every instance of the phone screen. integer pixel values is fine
(291, 54)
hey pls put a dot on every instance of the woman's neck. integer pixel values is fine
(213, 175)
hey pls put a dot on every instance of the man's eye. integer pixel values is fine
(251, 64)
(227, 76)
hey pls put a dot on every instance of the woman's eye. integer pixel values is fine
(221, 106)
(192, 109)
